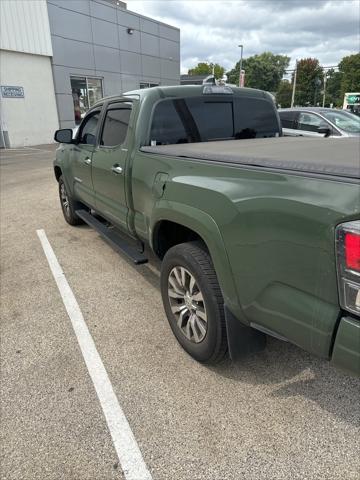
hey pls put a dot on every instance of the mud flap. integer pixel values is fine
(242, 340)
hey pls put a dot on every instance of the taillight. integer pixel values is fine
(348, 265)
(352, 251)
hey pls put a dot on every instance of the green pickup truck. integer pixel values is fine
(258, 234)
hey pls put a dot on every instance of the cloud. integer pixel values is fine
(212, 31)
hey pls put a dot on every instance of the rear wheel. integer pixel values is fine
(193, 302)
(68, 205)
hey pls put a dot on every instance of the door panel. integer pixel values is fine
(81, 166)
(81, 158)
(109, 165)
(108, 170)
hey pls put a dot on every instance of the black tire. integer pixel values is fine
(69, 208)
(194, 258)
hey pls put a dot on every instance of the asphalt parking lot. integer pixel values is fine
(281, 414)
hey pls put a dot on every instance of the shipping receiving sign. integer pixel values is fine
(8, 91)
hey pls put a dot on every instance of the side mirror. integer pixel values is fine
(325, 130)
(64, 135)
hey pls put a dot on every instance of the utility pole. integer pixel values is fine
(294, 86)
(324, 93)
(241, 57)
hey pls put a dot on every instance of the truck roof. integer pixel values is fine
(187, 91)
(338, 157)
(183, 90)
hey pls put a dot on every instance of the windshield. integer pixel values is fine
(345, 121)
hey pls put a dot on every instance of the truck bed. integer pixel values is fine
(339, 157)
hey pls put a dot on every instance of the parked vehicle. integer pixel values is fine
(352, 102)
(319, 122)
(257, 236)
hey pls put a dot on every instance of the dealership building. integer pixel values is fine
(58, 57)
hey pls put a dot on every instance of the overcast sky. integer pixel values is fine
(212, 30)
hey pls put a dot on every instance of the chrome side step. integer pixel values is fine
(112, 238)
(268, 332)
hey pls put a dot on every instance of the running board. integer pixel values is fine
(112, 238)
(267, 331)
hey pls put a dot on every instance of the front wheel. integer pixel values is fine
(68, 205)
(193, 302)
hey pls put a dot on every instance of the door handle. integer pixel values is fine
(87, 161)
(116, 169)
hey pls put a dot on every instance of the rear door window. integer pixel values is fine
(288, 119)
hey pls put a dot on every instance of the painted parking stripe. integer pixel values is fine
(24, 149)
(126, 447)
(20, 153)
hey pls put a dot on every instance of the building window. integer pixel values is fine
(148, 85)
(86, 91)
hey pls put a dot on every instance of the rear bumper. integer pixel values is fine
(346, 352)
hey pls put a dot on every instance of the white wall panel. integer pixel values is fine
(31, 120)
(24, 26)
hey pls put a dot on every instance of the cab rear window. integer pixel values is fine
(199, 119)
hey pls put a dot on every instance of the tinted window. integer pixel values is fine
(87, 134)
(115, 126)
(203, 119)
(310, 122)
(167, 127)
(213, 120)
(288, 119)
(255, 118)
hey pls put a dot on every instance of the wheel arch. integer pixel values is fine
(57, 172)
(189, 224)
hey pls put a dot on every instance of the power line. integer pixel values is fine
(323, 68)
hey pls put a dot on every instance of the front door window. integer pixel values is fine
(311, 122)
(87, 134)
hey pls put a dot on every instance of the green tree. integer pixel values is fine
(309, 82)
(284, 93)
(205, 68)
(262, 71)
(350, 69)
(333, 88)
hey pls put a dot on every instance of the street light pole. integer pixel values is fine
(241, 57)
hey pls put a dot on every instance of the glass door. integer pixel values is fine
(86, 91)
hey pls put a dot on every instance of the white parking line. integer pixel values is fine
(126, 447)
(16, 155)
(38, 149)
(22, 149)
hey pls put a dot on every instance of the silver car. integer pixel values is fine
(319, 122)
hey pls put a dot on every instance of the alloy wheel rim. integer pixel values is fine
(187, 304)
(64, 199)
